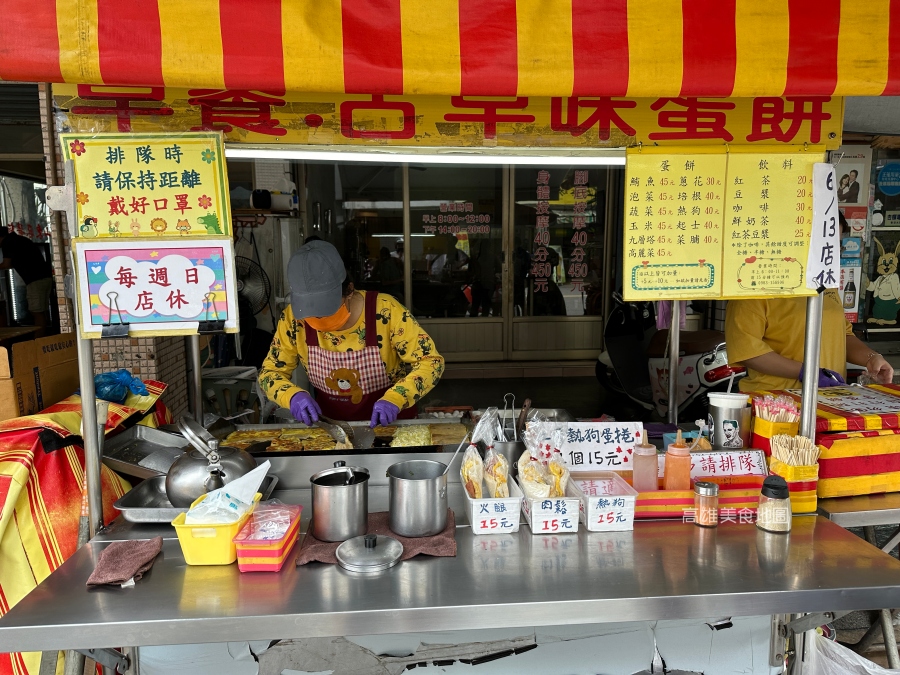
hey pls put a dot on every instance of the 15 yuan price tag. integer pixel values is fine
(610, 513)
(593, 446)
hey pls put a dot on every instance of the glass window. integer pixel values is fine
(359, 208)
(558, 232)
(456, 243)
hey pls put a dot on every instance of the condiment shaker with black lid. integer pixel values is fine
(774, 512)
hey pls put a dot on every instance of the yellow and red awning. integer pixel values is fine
(472, 47)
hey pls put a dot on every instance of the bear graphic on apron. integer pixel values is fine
(348, 384)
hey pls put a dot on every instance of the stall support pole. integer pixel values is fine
(407, 230)
(674, 351)
(195, 385)
(90, 437)
(811, 349)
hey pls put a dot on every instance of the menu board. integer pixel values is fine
(767, 223)
(717, 222)
(673, 226)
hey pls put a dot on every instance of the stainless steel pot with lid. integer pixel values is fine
(205, 468)
(340, 502)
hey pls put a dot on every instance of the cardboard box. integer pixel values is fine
(40, 373)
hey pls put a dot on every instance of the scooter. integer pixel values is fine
(636, 362)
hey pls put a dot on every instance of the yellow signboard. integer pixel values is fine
(246, 116)
(768, 222)
(673, 223)
(717, 223)
(149, 185)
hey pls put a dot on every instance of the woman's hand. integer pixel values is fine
(305, 409)
(879, 369)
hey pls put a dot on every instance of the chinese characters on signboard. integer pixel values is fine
(825, 247)
(456, 218)
(156, 287)
(252, 116)
(724, 463)
(739, 226)
(593, 446)
(768, 221)
(149, 185)
(673, 225)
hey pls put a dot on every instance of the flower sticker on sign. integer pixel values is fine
(156, 287)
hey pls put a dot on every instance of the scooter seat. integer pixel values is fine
(689, 341)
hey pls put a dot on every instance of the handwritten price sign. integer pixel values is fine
(547, 516)
(593, 446)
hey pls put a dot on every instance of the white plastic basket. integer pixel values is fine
(606, 501)
(495, 516)
(552, 515)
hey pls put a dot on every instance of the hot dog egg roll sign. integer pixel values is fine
(593, 446)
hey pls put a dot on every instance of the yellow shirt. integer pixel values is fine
(757, 327)
(411, 361)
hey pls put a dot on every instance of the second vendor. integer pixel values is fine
(365, 354)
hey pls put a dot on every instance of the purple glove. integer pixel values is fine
(383, 413)
(304, 408)
(827, 378)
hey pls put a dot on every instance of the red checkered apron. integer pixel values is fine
(347, 384)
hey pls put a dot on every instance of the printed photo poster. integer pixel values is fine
(852, 168)
(158, 288)
(882, 287)
(674, 210)
(149, 185)
(768, 222)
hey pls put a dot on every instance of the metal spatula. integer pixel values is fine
(360, 438)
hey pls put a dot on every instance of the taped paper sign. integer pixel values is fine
(157, 288)
(593, 446)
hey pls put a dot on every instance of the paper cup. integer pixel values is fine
(722, 400)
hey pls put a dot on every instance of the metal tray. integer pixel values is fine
(143, 452)
(148, 503)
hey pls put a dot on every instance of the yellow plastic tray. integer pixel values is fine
(210, 544)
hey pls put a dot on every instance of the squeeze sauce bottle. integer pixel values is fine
(678, 465)
(645, 476)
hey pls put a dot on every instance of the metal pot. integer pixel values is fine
(340, 502)
(418, 497)
(205, 468)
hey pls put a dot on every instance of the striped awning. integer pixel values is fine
(632, 48)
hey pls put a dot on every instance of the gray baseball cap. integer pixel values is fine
(315, 273)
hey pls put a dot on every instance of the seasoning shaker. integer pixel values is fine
(774, 511)
(645, 475)
(706, 504)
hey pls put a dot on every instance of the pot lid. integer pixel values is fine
(196, 435)
(369, 553)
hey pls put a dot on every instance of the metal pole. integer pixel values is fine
(674, 351)
(407, 229)
(90, 440)
(195, 385)
(811, 349)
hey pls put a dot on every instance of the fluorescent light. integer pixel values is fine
(400, 236)
(383, 155)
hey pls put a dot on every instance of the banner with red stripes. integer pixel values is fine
(635, 48)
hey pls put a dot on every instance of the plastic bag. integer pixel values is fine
(533, 477)
(270, 521)
(830, 658)
(114, 386)
(218, 508)
(472, 470)
(556, 467)
(496, 474)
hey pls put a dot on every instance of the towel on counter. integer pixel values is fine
(441, 545)
(123, 561)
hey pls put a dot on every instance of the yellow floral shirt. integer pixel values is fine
(411, 361)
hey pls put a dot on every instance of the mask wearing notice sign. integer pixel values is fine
(823, 265)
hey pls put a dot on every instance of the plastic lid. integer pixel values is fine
(645, 449)
(706, 489)
(775, 487)
(723, 400)
(369, 553)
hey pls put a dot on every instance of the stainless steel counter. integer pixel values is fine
(661, 570)
(862, 511)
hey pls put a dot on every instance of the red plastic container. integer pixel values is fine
(266, 555)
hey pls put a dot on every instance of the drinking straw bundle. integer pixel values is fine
(776, 409)
(794, 450)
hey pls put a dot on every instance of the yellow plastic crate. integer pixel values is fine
(210, 544)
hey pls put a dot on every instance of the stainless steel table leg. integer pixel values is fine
(48, 663)
(887, 624)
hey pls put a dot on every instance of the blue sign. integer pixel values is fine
(889, 179)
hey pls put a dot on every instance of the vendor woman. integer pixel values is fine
(767, 337)
(366, 356)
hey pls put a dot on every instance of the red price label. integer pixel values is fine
(489, 524)
(551, 525)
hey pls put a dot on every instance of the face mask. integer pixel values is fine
(330, 323)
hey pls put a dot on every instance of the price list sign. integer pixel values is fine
(674, 206)
(541, 268)
(578, 267)
(768, 221)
